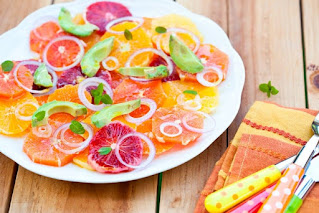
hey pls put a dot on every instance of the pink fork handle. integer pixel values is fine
(280, 197)
(253, 204)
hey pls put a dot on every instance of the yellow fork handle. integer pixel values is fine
(228, 197)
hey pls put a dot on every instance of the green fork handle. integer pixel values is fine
(294, 204)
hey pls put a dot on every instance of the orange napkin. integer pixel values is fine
(268, 134)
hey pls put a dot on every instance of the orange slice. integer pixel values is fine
(10, 124)
(124, 48)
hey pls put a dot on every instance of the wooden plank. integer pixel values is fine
(181, 186)
(310, 15)
(34, 193)
(13, 12)
(268, 39)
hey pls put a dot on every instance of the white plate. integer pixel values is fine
(15, 46)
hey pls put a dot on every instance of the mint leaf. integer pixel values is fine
(263, 87)
(269, 84)
(106, 99)
(7, 66)
(192, 92)
(273, 90)
(105, 150)
(40, 115)
(77, 127)
(128, 35)
(97, 94)
(160, 29)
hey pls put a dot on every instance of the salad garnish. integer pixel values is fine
(7, 66)
(77, 127)
(128, 35)
(192, 92)
(268, 88)
(160, 29)
(105, 150)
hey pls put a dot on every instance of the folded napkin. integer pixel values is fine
(268, 134)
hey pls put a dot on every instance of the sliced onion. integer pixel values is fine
(188, 105)
(211, 127)
(179, 30)
(170, 66)
(119, 20)
(78, 58)
(144, 101)
(201, 76)
(79, 148)
(144, 138)
(180, 99)
(94, 81)
(70, 144)
(42, 131)
(166, 124)
(39, 92)
(111, 58)
(19, 107)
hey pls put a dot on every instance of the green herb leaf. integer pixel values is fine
(269, 89)
(105, 150)
(128, 35)
(97, 94)
(160, 29)
(77, 127)
(7, 66)
(273, 90)
(263, 87)
(192, 92)
(40, 115)
(106, 99)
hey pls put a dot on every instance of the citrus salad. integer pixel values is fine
(110, 91)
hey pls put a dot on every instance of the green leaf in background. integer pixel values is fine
(269, 89)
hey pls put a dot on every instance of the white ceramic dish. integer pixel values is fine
(15, 45)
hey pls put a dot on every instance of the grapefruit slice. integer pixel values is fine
(101, 13)
(9, 88)
(151, 89)
(175, 114)
(9, 122)
(130, 150)
(41, 150)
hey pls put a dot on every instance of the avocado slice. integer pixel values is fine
(55, 107)
(41, 77)
(160, 71)
(65, 21)
(184, 57)
(90, 62)
(105, 116)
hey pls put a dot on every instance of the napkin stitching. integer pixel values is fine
(275, 130)
(242, 162)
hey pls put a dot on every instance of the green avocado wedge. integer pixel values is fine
(65, 21)
(160, 71)
(184, 57)
(90, 62)
(105, 116)
(41, 77)
(40, 117)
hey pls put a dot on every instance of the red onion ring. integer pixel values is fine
(177, 126)
(187, 105)
(170, 66)
(110, 58)
(122, 19)
(78, 58)
(81, 146)
(179, 30)
(42, 131)
(144, 101)
(194, 129)
(94, 81)
(144, 138)
(201, 76)
(19, 107)
(39, 92)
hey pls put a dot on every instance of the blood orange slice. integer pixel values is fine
(175, 115)
(9, 88)
(63, 53)
(71, 76)
(101, 13)
(40, 36)
(130, 150)
(130, 90)
(157, 60)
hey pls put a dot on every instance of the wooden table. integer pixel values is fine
(277, 40)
